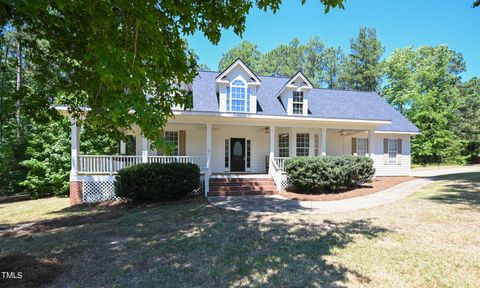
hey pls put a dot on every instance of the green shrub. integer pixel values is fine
(331, 173)
(157, 182)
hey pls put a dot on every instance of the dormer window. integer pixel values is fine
(294, 95)
(238, 96)
(297, 103)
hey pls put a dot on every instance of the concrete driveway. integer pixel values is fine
(280, 204)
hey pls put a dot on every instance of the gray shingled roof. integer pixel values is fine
(323, 103)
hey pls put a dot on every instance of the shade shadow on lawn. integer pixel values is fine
(465, 190)
(196, 244)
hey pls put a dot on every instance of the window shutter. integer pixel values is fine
(305, 107)
(182, 147)
(399, 151)
(385, 151)
(354, 146)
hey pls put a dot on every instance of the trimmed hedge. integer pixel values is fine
(322, 174)
(157, 182)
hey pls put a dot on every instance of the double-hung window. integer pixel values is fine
(303, 144)
(362, 146)
(297, 103)
(392, 151)
(283, 145)
(238, 97)
(171, 137)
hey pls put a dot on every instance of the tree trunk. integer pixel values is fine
(18, 86)
(2, 114)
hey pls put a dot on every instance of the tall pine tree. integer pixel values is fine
(362, 69)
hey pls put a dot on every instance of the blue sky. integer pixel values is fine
(399, 24)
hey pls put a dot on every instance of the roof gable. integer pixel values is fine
(243, 66)
(304, 83)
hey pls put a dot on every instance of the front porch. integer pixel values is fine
(227, 149)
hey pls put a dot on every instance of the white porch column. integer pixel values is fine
(324, 141)
(145, 149)
(370, 143)
(272, 149)
(75, 146)
(123, 148)
(209, 158)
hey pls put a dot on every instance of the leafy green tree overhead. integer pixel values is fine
(108, 54)
(362, 69)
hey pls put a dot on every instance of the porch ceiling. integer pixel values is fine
(264, 120)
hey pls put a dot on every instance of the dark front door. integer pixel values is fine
(237, 154)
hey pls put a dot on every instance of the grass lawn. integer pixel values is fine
(42, 209)
(430, 239)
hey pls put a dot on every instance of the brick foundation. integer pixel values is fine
(76, 190)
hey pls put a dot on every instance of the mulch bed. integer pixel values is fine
(377, 185)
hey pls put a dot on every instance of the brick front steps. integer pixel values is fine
(229, 186)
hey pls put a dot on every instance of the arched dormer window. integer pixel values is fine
(238, 96)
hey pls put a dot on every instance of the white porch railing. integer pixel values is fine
(201, 161)
(111, 164)
(280, 162)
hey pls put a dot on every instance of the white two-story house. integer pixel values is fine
(244, 126)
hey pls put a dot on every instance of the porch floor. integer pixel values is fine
(238, 175)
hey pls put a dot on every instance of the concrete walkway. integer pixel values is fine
(280, 204)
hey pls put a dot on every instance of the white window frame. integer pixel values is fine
(283, 150)
(301, 103)
(230, 99)
(305, 147)
(362, 152)
(392, 154)
(177, 144)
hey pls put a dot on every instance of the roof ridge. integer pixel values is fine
(288, 78)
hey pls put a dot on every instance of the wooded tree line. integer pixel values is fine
(423, 84)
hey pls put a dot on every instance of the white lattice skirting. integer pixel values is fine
(98, 191)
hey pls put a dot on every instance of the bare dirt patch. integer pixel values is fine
(34, 271)
(378, 184)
